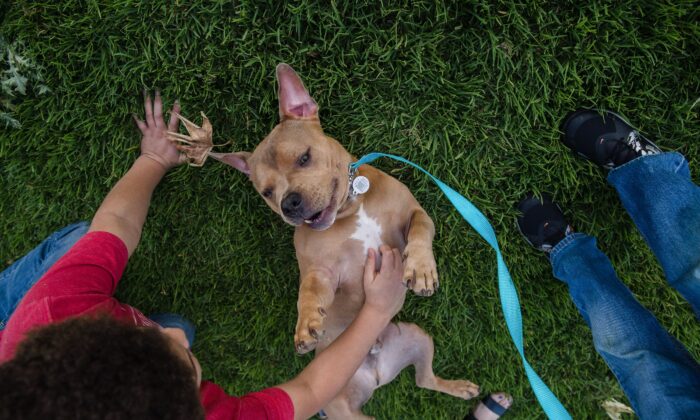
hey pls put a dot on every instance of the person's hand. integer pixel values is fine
(384, 290)
(154, 143)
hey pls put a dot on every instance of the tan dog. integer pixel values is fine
(303, 176)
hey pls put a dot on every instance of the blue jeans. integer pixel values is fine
(18, 278)
(658, 375)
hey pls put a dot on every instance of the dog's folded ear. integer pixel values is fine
(238, 160)
(295, 101)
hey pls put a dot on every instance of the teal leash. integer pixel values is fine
(510, 303)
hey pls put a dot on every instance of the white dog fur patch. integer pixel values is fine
(368, 231)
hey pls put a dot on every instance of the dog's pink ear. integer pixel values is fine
(238, 160)
(295, 101)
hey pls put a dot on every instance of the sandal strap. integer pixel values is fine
(494, 406)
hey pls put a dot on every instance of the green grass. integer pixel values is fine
(474, 92)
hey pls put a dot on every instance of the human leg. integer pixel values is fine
(659, 377)
(665, 205)
(19, 277)
(654, 187)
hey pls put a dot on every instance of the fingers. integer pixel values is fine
(387, 259)
(148, 105)
(141, 124)
(158, 110)
(398, 263)
(172, 124)
(369, 265)
(154, 113)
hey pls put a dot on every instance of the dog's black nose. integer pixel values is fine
(292, 205)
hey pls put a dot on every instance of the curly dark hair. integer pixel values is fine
(97, 368)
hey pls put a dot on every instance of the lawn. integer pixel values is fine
(470, 90)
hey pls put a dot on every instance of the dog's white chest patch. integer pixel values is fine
(368, 231)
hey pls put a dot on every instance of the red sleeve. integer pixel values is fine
(94, 265)
(269, 404)
(81, 282)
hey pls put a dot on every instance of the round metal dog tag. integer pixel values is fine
(360, 184)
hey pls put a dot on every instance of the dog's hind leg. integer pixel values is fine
(399, 346)
(406, 344)
(348, 403)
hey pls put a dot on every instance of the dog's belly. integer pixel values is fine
(366, 231)
(362, 232)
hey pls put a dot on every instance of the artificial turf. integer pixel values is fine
(473, 91)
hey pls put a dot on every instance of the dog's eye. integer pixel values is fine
(304, 159)
(267, 193)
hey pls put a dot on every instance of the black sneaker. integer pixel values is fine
(607, 140)
(542, 222)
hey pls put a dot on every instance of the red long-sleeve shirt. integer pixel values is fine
(83, 282)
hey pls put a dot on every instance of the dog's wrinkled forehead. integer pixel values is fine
(288, 142)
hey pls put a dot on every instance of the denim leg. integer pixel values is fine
(665, 205)
(658, 375)
(18, 278)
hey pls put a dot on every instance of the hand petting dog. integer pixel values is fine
(385, 291)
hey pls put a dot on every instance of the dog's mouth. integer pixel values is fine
(316, 217)
(324, 218)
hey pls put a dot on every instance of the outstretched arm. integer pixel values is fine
(123, 211)
(314, 387)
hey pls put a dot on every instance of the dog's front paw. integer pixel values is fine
(420, 271)
(309, 330)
